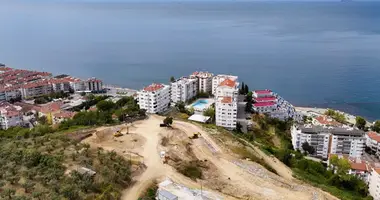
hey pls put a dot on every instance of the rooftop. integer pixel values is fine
(374, 136)
(154, 87)
(310, 129)
(266, 91)
(325, 120)
(228, 82)
(264, 104)
(269, 98)
(9, 110)
(234, 78)
(202, 74)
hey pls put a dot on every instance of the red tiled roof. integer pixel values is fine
(359, 166)
(50, 107)
(65, 114)
(228, 82)
(268, 98)
(263, 91)
(153, 87)
(226, 100)
(374, 136)
(263, 104)
(325, 120)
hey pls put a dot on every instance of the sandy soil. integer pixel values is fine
(227, 175)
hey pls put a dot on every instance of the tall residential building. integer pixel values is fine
(204, 81)
(216, 80)
(155, 98)
(10, 115)
(94, 85)
(270, 103)
(332, 140)
(226, 103)
(374, 182)
(35, 89)
(373, 142)
(184, 89)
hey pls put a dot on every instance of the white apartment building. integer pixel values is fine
(374, 182)
(332, 140)
(184, 89)
(204, 81)
(10, 115)
(155, 98)
(216, 80)
(226, 103)
(94, 85)
(373, 142)
(35, 89)
(9, 93)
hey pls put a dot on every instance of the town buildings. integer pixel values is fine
(226, 97)
(268, 102)
(358, 166)
(374, 182)
(154, 98)
(26, 84)
(204, 81)
(216, 80)
(334, 140)
(184, 89)
(10, 115)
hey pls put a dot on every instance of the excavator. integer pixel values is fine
(117, 133)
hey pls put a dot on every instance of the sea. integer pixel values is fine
(317, 54)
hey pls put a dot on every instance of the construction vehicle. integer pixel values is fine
(195, 136)
(117, 133)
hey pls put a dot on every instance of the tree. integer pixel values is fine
(343, 166)
(246, 89)
(28, 185)
(210, 112)
(248, 105)
(242, 89)
(83, 94)
(376, 126)
(172, 79)
(105, 105)
(8, 193)
(181, 106)
(360, 122)
(42, 120)
(168, 121)
(307, 148)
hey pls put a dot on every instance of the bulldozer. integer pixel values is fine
(117, 134)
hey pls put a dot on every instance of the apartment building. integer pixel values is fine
(10, 115)
(184, 89)
(154, 98)
(216, 80)
(94, 85)
(204, 81)
(373, 142)
(358, 166)
(35, 89)
(226, 103)
(8, 93)
(268, 102)
(374, 181)
(334, 140)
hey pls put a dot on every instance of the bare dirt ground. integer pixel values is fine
(224, 172)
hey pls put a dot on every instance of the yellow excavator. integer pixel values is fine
(117, 133)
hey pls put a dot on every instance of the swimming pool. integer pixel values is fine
(201, 104)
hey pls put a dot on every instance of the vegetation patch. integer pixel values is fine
(150, 193)
(192, 169)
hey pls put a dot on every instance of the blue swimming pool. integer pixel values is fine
(200, 104)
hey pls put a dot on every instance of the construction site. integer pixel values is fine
(191, 162)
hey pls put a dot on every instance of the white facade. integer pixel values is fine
(204, 81)
(226, 103)
(35, 89)
(6, 95)
(184, 89)
(329, 140)
(373, 142)
(154, 98)
(10, 115)
(226, 112)
(94, 85)
(216, 80)
(374, 183)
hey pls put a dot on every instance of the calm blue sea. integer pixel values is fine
(313, 54)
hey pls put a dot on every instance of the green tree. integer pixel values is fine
(168, 121)
(246, 89)
(42, 120)
(105, 105)
(242, 89)
(248, 105)
(360, 122)
(376, 126)
(172, 79)
(334, 162)
(8, 193)
(307, 148)
(209, 112)
(28, 185)
(343, 166)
